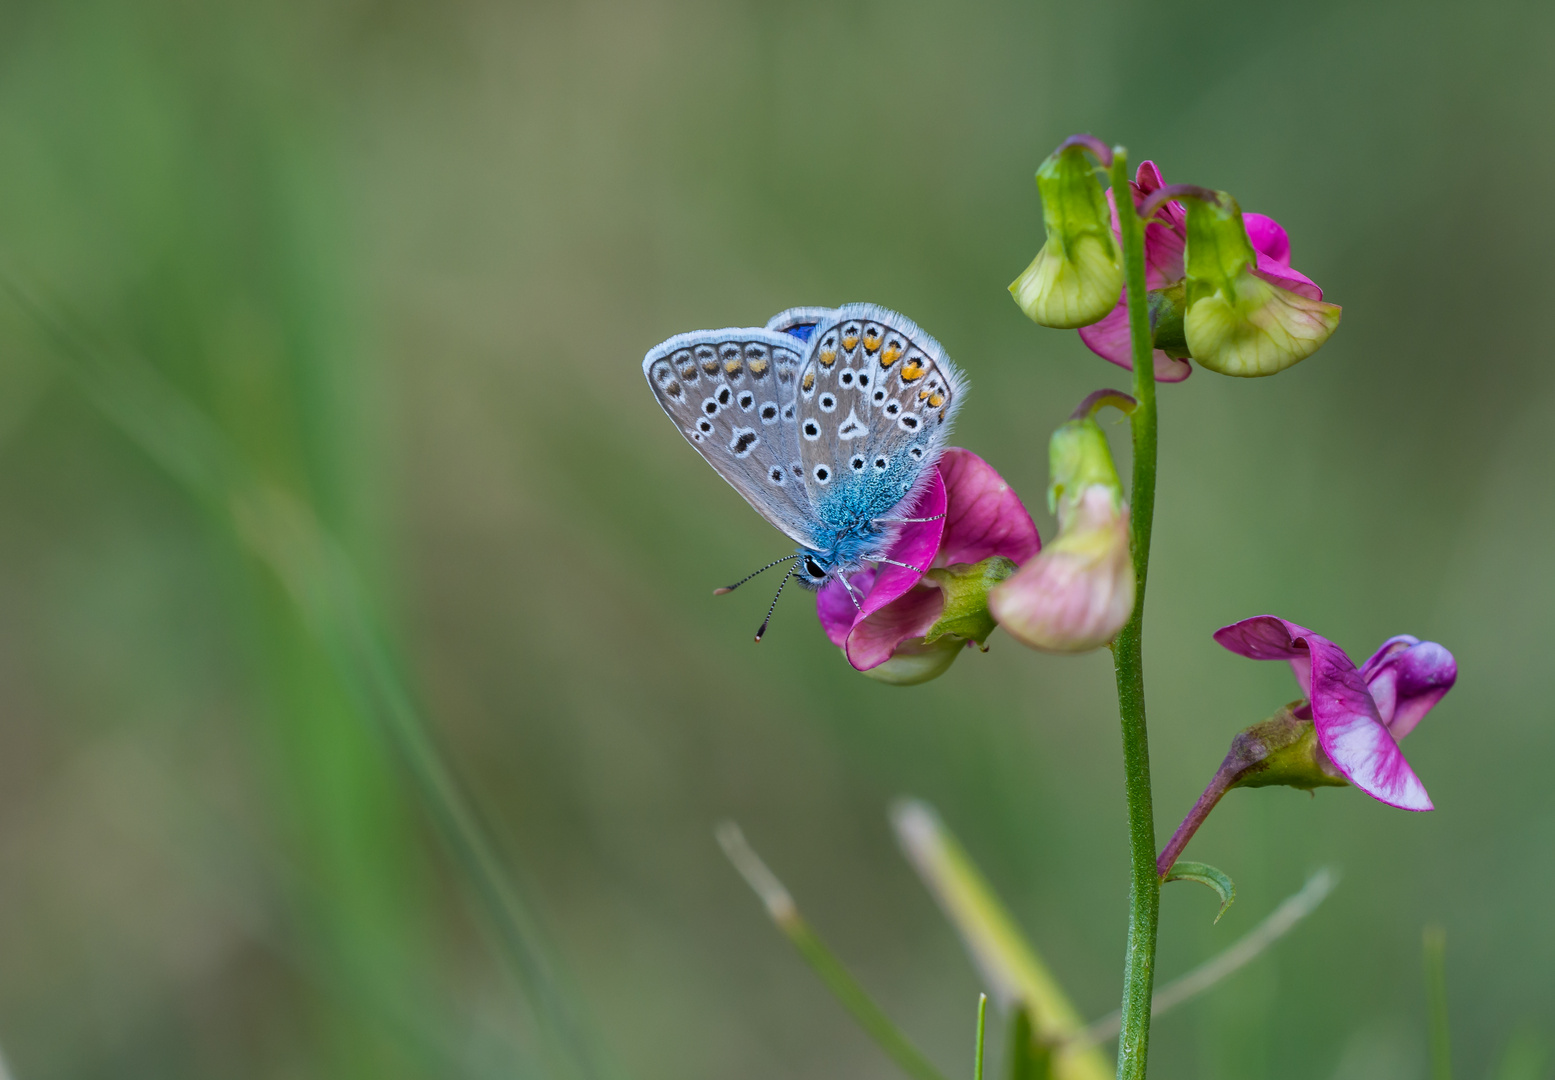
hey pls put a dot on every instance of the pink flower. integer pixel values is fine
(1359, 713)
(1166, 239)
(983, 517)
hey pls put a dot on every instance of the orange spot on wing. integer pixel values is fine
(890, 356)
(828, 357)
(912, 371)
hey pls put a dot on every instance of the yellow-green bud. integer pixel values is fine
(1077, 277)
(1237, 322)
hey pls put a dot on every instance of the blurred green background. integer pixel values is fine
(404, 259)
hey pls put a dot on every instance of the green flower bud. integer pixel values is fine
(1079, 457)
(1243, 319)
(1077, 277)
(1077, 593)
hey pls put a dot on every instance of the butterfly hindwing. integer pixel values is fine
(876, 399)
(732, 395)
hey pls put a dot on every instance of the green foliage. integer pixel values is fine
(1205, 874)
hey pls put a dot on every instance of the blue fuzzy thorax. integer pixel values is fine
(850, 531)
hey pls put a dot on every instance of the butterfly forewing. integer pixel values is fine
(732, 394)
(876, 398)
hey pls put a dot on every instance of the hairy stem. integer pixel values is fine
(1128, 662)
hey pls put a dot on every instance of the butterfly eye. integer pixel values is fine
(813, 568)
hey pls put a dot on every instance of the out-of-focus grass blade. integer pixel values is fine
(1030, 1057)
(1524, 1058)
(785, 913)
(982, 1030)
(1205, 874)
(285, 535)
(1013, 970)
(1279, 922)
(1435, 950)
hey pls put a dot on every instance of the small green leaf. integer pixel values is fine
(966, 586)
(1205, 874)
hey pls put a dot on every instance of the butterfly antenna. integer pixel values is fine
(747, 577)
(773, 608)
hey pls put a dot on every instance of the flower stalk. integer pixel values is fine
(1128, 661)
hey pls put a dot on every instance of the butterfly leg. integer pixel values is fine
(848, 585)
(903, 521)
(893, 562)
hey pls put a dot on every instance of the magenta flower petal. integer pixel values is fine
(1166, 238)
(1109, 340)
(983, 516)
(1268, 238)
(874, 638)
(1286, 278)
(916, 546)
(1349, 726)
(834, 607)
(1407, 677)
(1265, 637)
(1352, 733)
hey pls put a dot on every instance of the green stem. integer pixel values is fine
(1436, 1002)
(1128, 662)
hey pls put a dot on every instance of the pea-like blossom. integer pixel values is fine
(1166, 273)
(975, 517)
(1360, 713)
(1078, 593)
(1078, 275)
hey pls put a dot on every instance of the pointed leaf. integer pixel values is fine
(1205, 874)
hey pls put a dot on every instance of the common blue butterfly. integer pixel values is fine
(829, 421)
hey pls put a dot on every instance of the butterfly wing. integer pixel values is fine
(732, 395)
(876, 399)
(800, 322)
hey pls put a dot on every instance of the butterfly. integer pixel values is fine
(829, 421)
